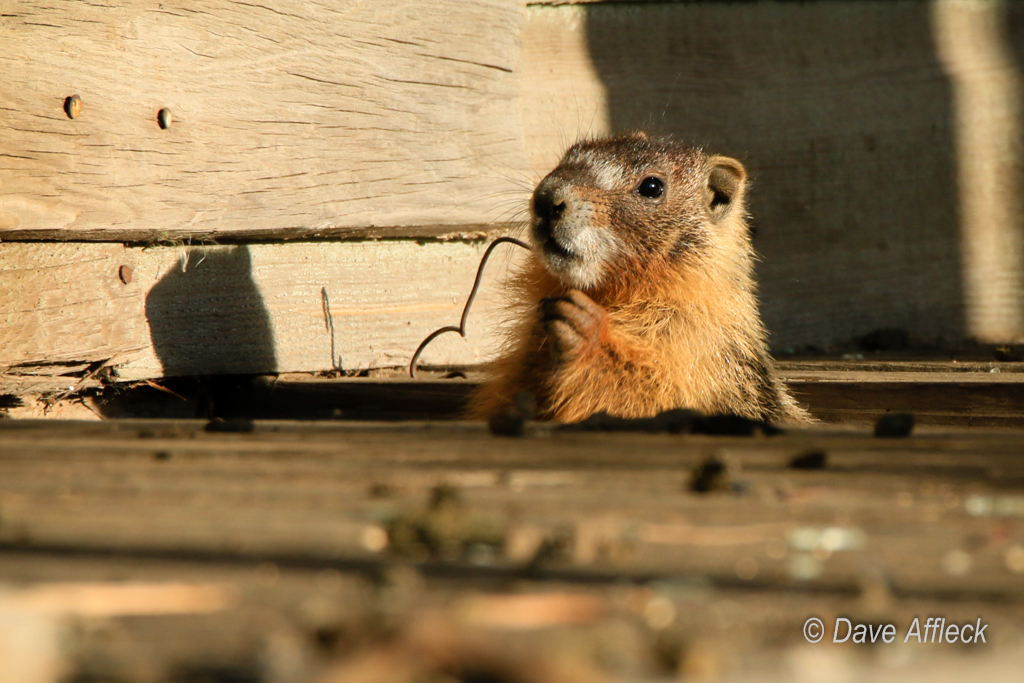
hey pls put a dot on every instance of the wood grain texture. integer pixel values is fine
(291, 119)
(860, 123)
(292, 521)
(243, 309)
(290, 492)
(834, 392)
(862, 140)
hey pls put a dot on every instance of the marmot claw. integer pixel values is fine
(573, 323)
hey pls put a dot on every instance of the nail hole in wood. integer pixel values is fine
(73, 106)
(164, 118)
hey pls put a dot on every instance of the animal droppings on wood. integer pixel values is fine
(380, 490)
(73, 106)
(445, 530)
(894, 425)
(445, 496)
(811, 460)
(708, 476)
(124, 273)
(164, 118)
(554, 549)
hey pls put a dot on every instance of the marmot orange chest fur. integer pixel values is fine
(639, 294)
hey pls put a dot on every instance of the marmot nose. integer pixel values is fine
(549, 201)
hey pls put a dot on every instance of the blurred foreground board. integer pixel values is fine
(328, 492)
(139, 551)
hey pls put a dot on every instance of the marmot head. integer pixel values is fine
(622, 205)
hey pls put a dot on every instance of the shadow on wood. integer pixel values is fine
(208, 302)
(843, 113)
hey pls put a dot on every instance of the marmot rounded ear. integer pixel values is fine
(726, 181)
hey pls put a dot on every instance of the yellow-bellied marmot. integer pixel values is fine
(639, 294)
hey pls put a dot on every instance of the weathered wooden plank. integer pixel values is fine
(968, 399)
(325, 493)
(825, 102)
(992, 404)
(884, 162)
(293, 529)
(304, 118)
(967, 366)
(242, 309)
(969, 393)
(292, 618)
(848, 392)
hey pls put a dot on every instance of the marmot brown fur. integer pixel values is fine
(639, 294)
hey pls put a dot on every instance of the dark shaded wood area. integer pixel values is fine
(964, 393)
(329, 551)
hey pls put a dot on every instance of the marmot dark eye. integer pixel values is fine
(652, 188)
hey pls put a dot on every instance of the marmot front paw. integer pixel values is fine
(573, 323)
